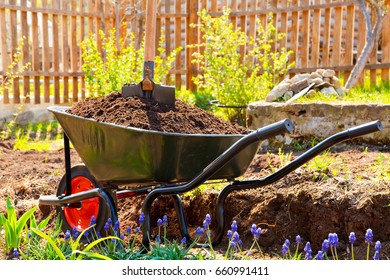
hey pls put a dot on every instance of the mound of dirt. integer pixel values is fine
(148, 114)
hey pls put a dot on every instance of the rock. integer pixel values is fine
(277, 92)
(320, 71)
(340, 91)
(299, 85)
(327, 91)
(299, 77)
(311, 92)
(328, 73)
(315, 75)
(336, 82)
(316, 81)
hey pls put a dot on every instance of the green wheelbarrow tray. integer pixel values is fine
(125, 155)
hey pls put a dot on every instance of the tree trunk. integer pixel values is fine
(372, 36)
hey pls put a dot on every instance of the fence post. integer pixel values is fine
(192, 38)
(4, 51)
(386, 44)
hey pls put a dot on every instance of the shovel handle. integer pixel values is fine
(150, 37)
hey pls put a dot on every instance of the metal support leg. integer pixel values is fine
(68, 174)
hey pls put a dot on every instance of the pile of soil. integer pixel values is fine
(148, 114)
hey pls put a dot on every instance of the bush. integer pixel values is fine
(108, 69)
(227, 76)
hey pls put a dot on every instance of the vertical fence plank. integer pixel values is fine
(158, 28)
(386, 45)
(315, 34)
(14, 46)
(36, 59)
(98, 22)
(252, 26)
(304, 53)
(349, 39)
(244, 7)
(4, 51)
(56, 53)
(294, 34)
(373, 59)
(178, 36)
(361, 40)
(283, 24)
(234, 8)
(168, 36)
(74, 51)
(192, 38)
(82, 37)
(337, 33)
(45, 53)
(326, 36)
(25, 51)
(65, 53)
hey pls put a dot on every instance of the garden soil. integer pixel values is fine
(351, 195)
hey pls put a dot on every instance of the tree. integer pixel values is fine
(379, 9)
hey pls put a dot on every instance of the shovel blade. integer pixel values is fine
(161, 94)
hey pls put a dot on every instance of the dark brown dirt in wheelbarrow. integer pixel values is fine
(352, 197)
(150, 115)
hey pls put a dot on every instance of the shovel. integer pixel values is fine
(147, 88)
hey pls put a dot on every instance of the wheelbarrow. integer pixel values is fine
(121, 162)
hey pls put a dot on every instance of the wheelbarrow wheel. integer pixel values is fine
(78, 217)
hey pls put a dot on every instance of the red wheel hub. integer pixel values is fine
(81, 217)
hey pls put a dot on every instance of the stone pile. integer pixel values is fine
(322, 80)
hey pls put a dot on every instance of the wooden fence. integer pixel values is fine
(321, 33)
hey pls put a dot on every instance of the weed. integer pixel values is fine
(321, 166)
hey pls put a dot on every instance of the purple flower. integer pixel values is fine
(333, 239)
(378, 246)
(258, 233)
(137, 229)
(307, 247)
(67, 235)
(157, 239)
(253, 229)
(325, 246)
(298, 239)
(236, 237)
(74, 231)
(128, 230)
(208, 219)
(320, 255)
(165, 220)
(229, 234)
(29, 234)
(109, 221)
(352, 238)
(205, 225)
(16, 253)
(122, 236)
(106, 226)
(86, 234)
(93, 221)
(369, 236)
(141, 218)
(184, 241)
(99, 235)
(159, 222)
(284, 249)
(233, 244)
(376, 255)
(287, 242)
(199, 231)
(234, 226)
(116, 226)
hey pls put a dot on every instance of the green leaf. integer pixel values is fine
(92, 255)
(50, 241)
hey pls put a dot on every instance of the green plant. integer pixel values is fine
(321, 166)
(229, 76)
(284, 159)
(381, 167)
(108, 70)
(13, 227)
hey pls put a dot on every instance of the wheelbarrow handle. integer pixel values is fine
(364, 129)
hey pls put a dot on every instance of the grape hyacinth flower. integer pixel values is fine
(308, 251)
(369, 236)
(106, 227)
(109, 221)
(378, 246)
(320, 255)
(184, 241)
(116, 227)
(165, 221)
(122, 236)
(128, 230)
(67, 235)
(287, 242)
(137, 230)
(157, 239)
(376, 255)
(15, 253)
(333, 239)
(208, 219)
(199, 232)
(298, 239)
(141, 218)
(234, 226)
(284, 249)
(325, 246)
(258, 233)
(74, 232)
(93, 221)
(159, 222)
(229, 234)
(352, 240)
(253, 229)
